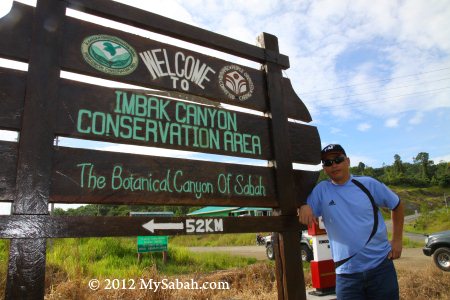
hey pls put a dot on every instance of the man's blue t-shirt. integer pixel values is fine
(348, 217)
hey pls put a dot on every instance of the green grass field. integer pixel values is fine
(103, 257)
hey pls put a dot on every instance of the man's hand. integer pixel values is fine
(396, 251)
(397, 216)
(305, 215)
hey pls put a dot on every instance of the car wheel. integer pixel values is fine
(307, 254)
(442, 258)
(269, 252)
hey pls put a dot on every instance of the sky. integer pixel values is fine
(375, 75)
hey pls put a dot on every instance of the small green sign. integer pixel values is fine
(152, 243)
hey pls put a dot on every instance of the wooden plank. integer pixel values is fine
(295, 108)
(18, 23)
(89, 176)
(305, 143)
(304, 184)
(26, 273)
(12, 93)
(127, 116)
(157, 65)
(39, 226)
(74, 96)
(84, 111)
(26, 267)
(304, 180)
(159, 24)
(8, 157)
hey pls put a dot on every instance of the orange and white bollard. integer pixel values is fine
(322, 266)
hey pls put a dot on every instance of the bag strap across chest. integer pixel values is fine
(375, 219)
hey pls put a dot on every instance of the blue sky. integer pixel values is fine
(375, 75)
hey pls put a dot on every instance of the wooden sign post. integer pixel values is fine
(184, 114)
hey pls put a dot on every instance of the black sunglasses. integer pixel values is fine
(329, 162)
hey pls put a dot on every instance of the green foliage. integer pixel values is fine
(430, 221)
(117, 257)
(422, 173)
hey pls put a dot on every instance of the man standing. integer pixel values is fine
(360, 248)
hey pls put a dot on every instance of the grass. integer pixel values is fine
(72, 262)
(430, 221)
(254, 282)
(414, 198)
(432, 284)
(106, 257)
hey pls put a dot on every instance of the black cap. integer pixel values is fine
(332, 148)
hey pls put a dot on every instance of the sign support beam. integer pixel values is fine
(26, 271)
(290, 279)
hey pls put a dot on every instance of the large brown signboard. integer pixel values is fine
(180, 107)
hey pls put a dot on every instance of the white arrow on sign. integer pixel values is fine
(152, 226)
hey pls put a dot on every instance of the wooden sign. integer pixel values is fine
(88, 176)
(45, 226)
(186, 112)
(141, 118)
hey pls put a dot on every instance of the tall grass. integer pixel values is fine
(117, 257)
(431, 221)
(255, 282)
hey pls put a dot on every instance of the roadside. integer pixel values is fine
(416, 237)
(412, 258)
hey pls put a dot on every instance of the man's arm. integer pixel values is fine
(397, 216)
(306, 215)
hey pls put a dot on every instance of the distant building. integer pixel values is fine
(227, 211)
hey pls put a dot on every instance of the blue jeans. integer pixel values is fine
(378, 283)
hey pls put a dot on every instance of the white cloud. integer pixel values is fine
(392, 122)
(417, 119)
(356, 159)
(5, 7)
(438, 159)
(335, 130)
(364, 126)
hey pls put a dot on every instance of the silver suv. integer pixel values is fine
(438, 245)
(305, 246)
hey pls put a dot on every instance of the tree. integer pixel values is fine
(442, 174)
(398, 165)
(361, 168)
(423, 159)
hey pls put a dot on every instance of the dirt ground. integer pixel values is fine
(412, 258)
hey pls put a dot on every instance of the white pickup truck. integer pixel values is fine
(305, 246)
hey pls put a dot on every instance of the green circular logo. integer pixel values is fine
(109, 54)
